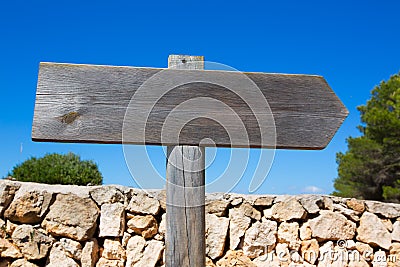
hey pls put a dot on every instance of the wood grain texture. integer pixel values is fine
(185, 227)
(185, 243)
(88, 103)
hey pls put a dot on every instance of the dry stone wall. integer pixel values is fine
(53, 225)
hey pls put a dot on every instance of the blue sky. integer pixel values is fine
(353, 44)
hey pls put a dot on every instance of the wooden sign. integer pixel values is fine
(187, 109)
(88, 103)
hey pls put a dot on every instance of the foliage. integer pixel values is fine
(370, 169)
(58, 169)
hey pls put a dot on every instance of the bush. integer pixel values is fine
(58, 169)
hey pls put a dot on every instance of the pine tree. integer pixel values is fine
(370, 169)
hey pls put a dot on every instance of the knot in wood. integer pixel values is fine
(69, 117)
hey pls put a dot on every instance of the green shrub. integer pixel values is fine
(58, 169)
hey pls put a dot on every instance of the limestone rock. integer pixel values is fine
(10, 227)
(260, 238)
(22, 263)
(217, 207)
(295, 258)
(388, 224)
(310, 250)
(7, 192)
(282, 198)
(328, 203)
(235, 258)
(394, 253)
(302, 264)
(237, 227)
(9, 250)
(151, 255)
(81, 191)
(72, 216)
(3, 226)
(324, 254)
(161, 196)
(340, 257)
(365, 250)
(395, 248)
(90, 253)
(103, 262)
(373, 232)
(358, 262)
(216, 232)
(71, 248)
(288, 210)
(236, 201)
(113, 250)
(250, 211)
(350, 244)
(112, 220)
(388, 210)
(209, 262)
(312, 203)
(351, 214)
(107, 195)
(257, 200)
(332, 226)
(162, 226)
(267, 213)
(158, 237)
(283, 253)
(143, 225)
(29, 207)
(125, 239)
(134, 249)
(210, 197)
(12, 252)
(129, 216)
(289, 233)
(396, 231)
(356, 205)
(33, 243)
(58, 258)
(267, 260)
(264, 201)
(380, 259)
(143, 204)
(305, 231)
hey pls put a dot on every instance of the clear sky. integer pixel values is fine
(353, 44)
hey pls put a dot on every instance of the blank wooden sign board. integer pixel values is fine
(185, 108)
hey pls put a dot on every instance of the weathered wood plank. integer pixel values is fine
(185, 243)
(88, 103)
(185, 227)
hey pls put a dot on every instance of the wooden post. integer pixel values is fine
(91, 104)
(185, 236)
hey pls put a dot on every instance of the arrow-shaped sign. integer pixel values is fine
(91, 103)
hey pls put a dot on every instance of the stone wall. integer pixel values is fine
(49, 225)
